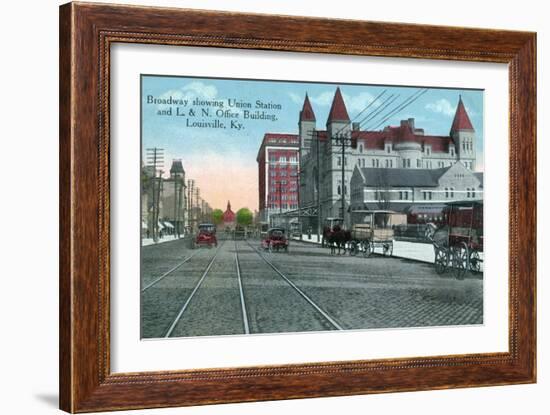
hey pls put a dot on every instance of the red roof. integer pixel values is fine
(461, 121)
(307, 113)
(338, 111)
(375, 140)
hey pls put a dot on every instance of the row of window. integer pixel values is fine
(426, 194)
(276, 197)
(388, 148)
(283, 206)
(283, 173)
(283, 159)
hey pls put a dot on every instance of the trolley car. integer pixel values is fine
(459, 242)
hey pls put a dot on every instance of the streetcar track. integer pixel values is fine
(327, 317)
(168, 272)
(197, 286)
(243, 304)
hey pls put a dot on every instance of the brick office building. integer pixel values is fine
(278, 169)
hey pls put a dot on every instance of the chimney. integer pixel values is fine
(355, 126)
(411, 123)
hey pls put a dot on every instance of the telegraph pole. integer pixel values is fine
(318, 193)
(176, 231)
(155, 159)
(345, 140)
(343, 187)
(197, 203)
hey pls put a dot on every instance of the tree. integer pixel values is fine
(244, 216)
(217, 216)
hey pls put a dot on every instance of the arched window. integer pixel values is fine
(360, 148)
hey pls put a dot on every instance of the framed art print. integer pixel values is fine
(256, 214)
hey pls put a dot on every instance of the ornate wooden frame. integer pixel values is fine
(86, 33)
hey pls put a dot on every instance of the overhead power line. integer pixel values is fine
(387, 102)
(400, 107)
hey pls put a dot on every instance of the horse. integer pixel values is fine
(338, 238)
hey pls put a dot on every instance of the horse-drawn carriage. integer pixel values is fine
(371, 229)
(459, 242)
(330, 228)
(374, 230)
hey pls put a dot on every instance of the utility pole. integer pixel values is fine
(191, 206)
(181, 194)
(345, 140)
(155, 160)
(197, 203)
(318, 192)
(299, 183)
(176, 230)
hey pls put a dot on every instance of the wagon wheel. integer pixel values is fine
(460, 261)
(353, 248)
(441, 260)
(388, 248)
(367, 249)
(475, 261)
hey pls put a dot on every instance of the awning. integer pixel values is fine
(426, 209)
(161, 226)
(168, 225)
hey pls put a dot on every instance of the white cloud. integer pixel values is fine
(442, 106)
(323, 99)
(357, 103)
(296, 98)
(202, 90)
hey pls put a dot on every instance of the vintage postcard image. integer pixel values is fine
(276, 206)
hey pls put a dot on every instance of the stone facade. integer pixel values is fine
(322, 158)
(398, 189)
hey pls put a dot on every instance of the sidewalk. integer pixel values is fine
(169, 238)
(417, 251)
(305, 238)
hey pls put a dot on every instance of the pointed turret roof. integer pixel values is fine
(307, 113)
(338, 111)
(461, 120)
(177, 167)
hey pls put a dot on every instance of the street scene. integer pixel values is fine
(281, 207)
(237, 288)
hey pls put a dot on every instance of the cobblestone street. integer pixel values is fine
(237, 288)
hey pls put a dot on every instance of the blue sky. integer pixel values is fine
(226, 157)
